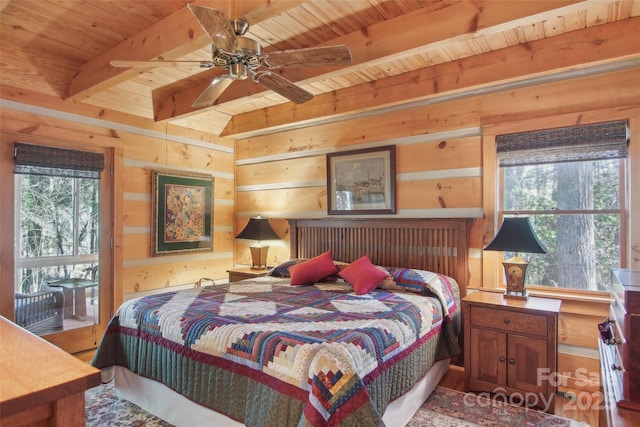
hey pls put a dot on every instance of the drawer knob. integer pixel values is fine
(501, 359)
(512, 361)
(506, 321)
(616, 367)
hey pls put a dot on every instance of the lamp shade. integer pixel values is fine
(258, 228)
(516, 235)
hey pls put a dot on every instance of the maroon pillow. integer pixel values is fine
(313, 269)
(363, 275)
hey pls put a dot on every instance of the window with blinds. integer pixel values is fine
(58, 230)
(570, 181)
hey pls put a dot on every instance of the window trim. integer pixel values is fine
(52, 261)
(492, 269)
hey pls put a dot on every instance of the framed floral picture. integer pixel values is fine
(182, 212)
(362, 181)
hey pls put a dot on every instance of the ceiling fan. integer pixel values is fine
(242, 57)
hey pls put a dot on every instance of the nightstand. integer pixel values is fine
(236, 274)
(511, 347)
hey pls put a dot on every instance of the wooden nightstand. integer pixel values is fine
(245, 273)
(511, 346)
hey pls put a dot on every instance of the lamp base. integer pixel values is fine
(522, 297)
(259, 257)
(515, 269)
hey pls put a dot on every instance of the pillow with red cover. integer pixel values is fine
(313, 269)
(363, 275)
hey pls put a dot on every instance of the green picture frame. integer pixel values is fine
(182, 212)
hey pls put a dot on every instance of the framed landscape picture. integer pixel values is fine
(182, 213)
(362, 181)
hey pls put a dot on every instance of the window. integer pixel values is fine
(57, 228)
(570, 182)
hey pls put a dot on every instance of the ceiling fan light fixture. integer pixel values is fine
(239, 71)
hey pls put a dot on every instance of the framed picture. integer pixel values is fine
(362, 181)
(182, 213)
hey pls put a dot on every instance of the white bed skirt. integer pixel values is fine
(160, 400)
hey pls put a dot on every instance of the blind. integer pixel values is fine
(42, 160)
(595, 141)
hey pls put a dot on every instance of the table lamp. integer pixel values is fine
(516, 235)
(258, 229)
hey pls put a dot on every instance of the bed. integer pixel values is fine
(294, 349)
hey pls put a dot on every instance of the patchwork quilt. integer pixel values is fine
(266, 353)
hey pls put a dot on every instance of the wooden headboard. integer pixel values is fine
(438, 245)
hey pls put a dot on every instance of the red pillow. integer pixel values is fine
(362, 275)
(312, 269)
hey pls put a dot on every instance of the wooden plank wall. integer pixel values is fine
(438, 167)
(441, 170)
(142, 146)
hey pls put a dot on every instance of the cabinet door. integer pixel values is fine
(525, 356)
(488, 356)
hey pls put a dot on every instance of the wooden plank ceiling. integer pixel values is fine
(403, 51)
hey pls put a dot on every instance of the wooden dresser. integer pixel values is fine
(511, 347)
(620, 350)
(41, 384)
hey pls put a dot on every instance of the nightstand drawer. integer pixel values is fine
(509, 321)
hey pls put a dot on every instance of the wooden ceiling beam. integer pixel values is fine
(381, 43)
(171, 38)
(472, 75)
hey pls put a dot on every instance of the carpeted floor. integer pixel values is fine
(444, 408)
(104, 408)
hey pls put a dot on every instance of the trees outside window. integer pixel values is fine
(570, 181)
(58, 221)
(575, 208)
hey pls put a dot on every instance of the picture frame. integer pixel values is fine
(182, 212)
(362, 181)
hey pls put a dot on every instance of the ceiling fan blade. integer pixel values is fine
(329, 55)
(216, 24)
(282, 86)
(213, 91)
(147, 64)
